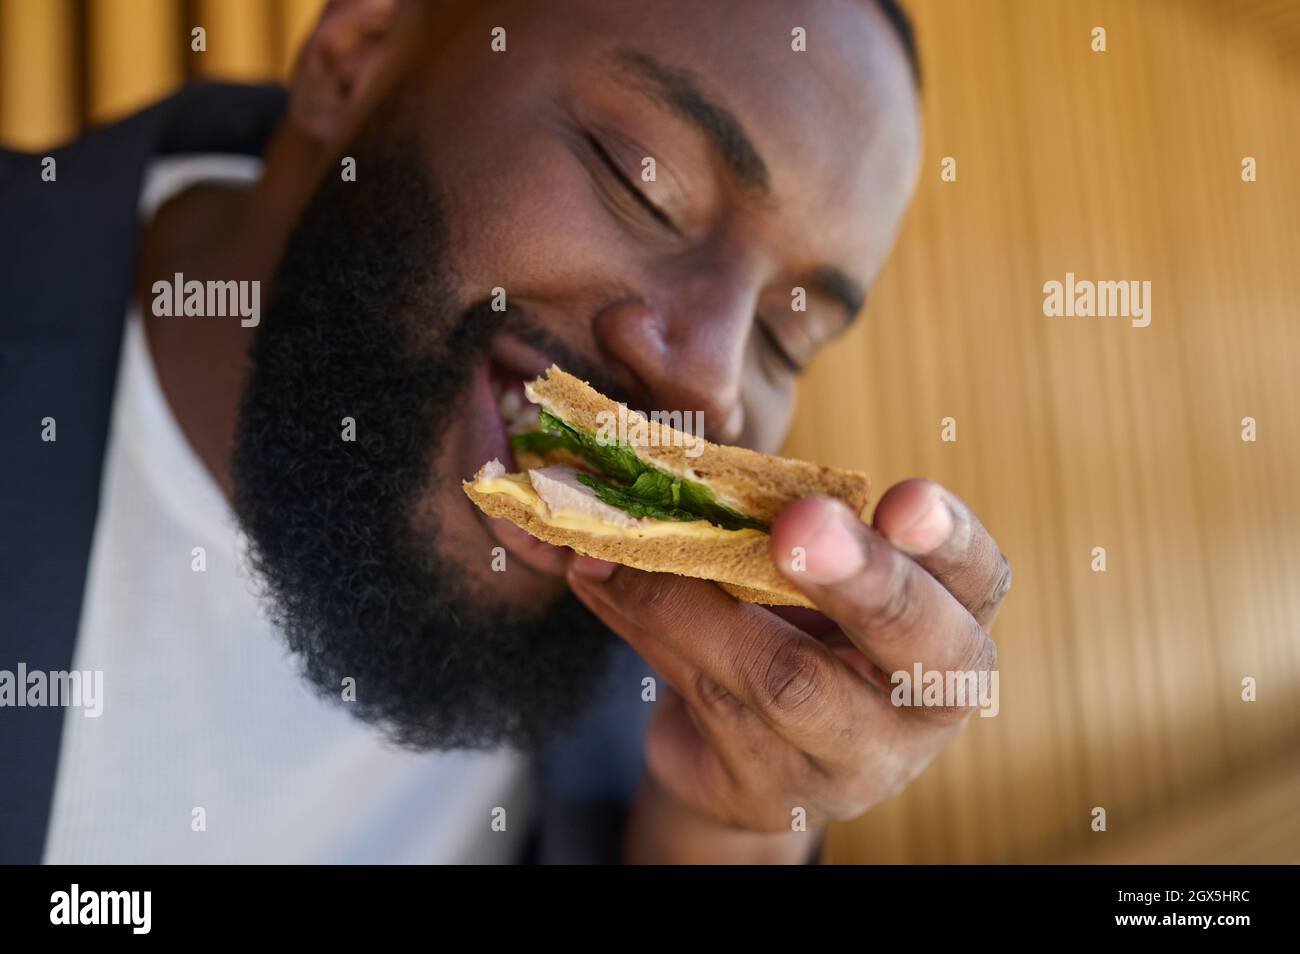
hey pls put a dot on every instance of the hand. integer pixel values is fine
(775, 711)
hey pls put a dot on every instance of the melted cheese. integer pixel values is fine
(517, 486)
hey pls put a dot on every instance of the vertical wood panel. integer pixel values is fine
(39, 101)
(136, 52)
(241, 43)
(1120, 689)
(296, 20)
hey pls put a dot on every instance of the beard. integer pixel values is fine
(364, 326)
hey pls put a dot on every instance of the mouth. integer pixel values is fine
(501, 410)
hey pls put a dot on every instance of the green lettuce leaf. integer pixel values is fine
(633, 486)
(538, 442)
(627, 501)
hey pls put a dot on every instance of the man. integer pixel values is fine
(432, 161)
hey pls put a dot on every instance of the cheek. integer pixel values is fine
(525, 217)
(769, 409)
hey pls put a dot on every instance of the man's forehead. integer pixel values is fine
(832, 120)
(833, 116)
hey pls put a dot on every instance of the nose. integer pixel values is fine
(685, 350)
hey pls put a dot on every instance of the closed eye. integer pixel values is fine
(617, 172)
(774, 345)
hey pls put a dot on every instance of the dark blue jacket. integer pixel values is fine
(67, 260)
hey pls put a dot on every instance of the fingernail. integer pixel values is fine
(591, 569)
(833, 552)
(930, 528)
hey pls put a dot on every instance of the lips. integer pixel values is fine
(500, 409)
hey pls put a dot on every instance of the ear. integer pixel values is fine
(339, 66)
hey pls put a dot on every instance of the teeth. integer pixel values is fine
(526, 419)
(517, 414)
(510, 404)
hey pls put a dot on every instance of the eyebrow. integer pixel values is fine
(679, 90)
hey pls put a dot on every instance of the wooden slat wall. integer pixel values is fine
(65, 64)
(1120, 689)
(40, 99)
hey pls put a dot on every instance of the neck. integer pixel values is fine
(217, 233)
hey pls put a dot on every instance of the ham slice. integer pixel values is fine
(561, 491)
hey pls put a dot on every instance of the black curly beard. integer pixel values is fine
(363, 325)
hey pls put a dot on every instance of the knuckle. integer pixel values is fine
(874, 780)
(898, 776)
(852, 795)
(713, 695)
(631, 586)
(980, 655)
(651, 601)
(986, 606)
(794, 680)
(1003, 585)
(990, 653)
(893, 607)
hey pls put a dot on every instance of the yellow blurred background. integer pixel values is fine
(1120, 689)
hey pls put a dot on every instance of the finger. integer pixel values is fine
(684, 677)
(895, 612)
(941, 533)
(745, 754)
(720, 781)
(678, 753)
(753, 754)
(719, 717)
(788, 679)
(676, 671)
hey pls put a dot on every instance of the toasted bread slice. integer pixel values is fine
(758, 485)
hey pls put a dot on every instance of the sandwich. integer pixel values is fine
(613, 484)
